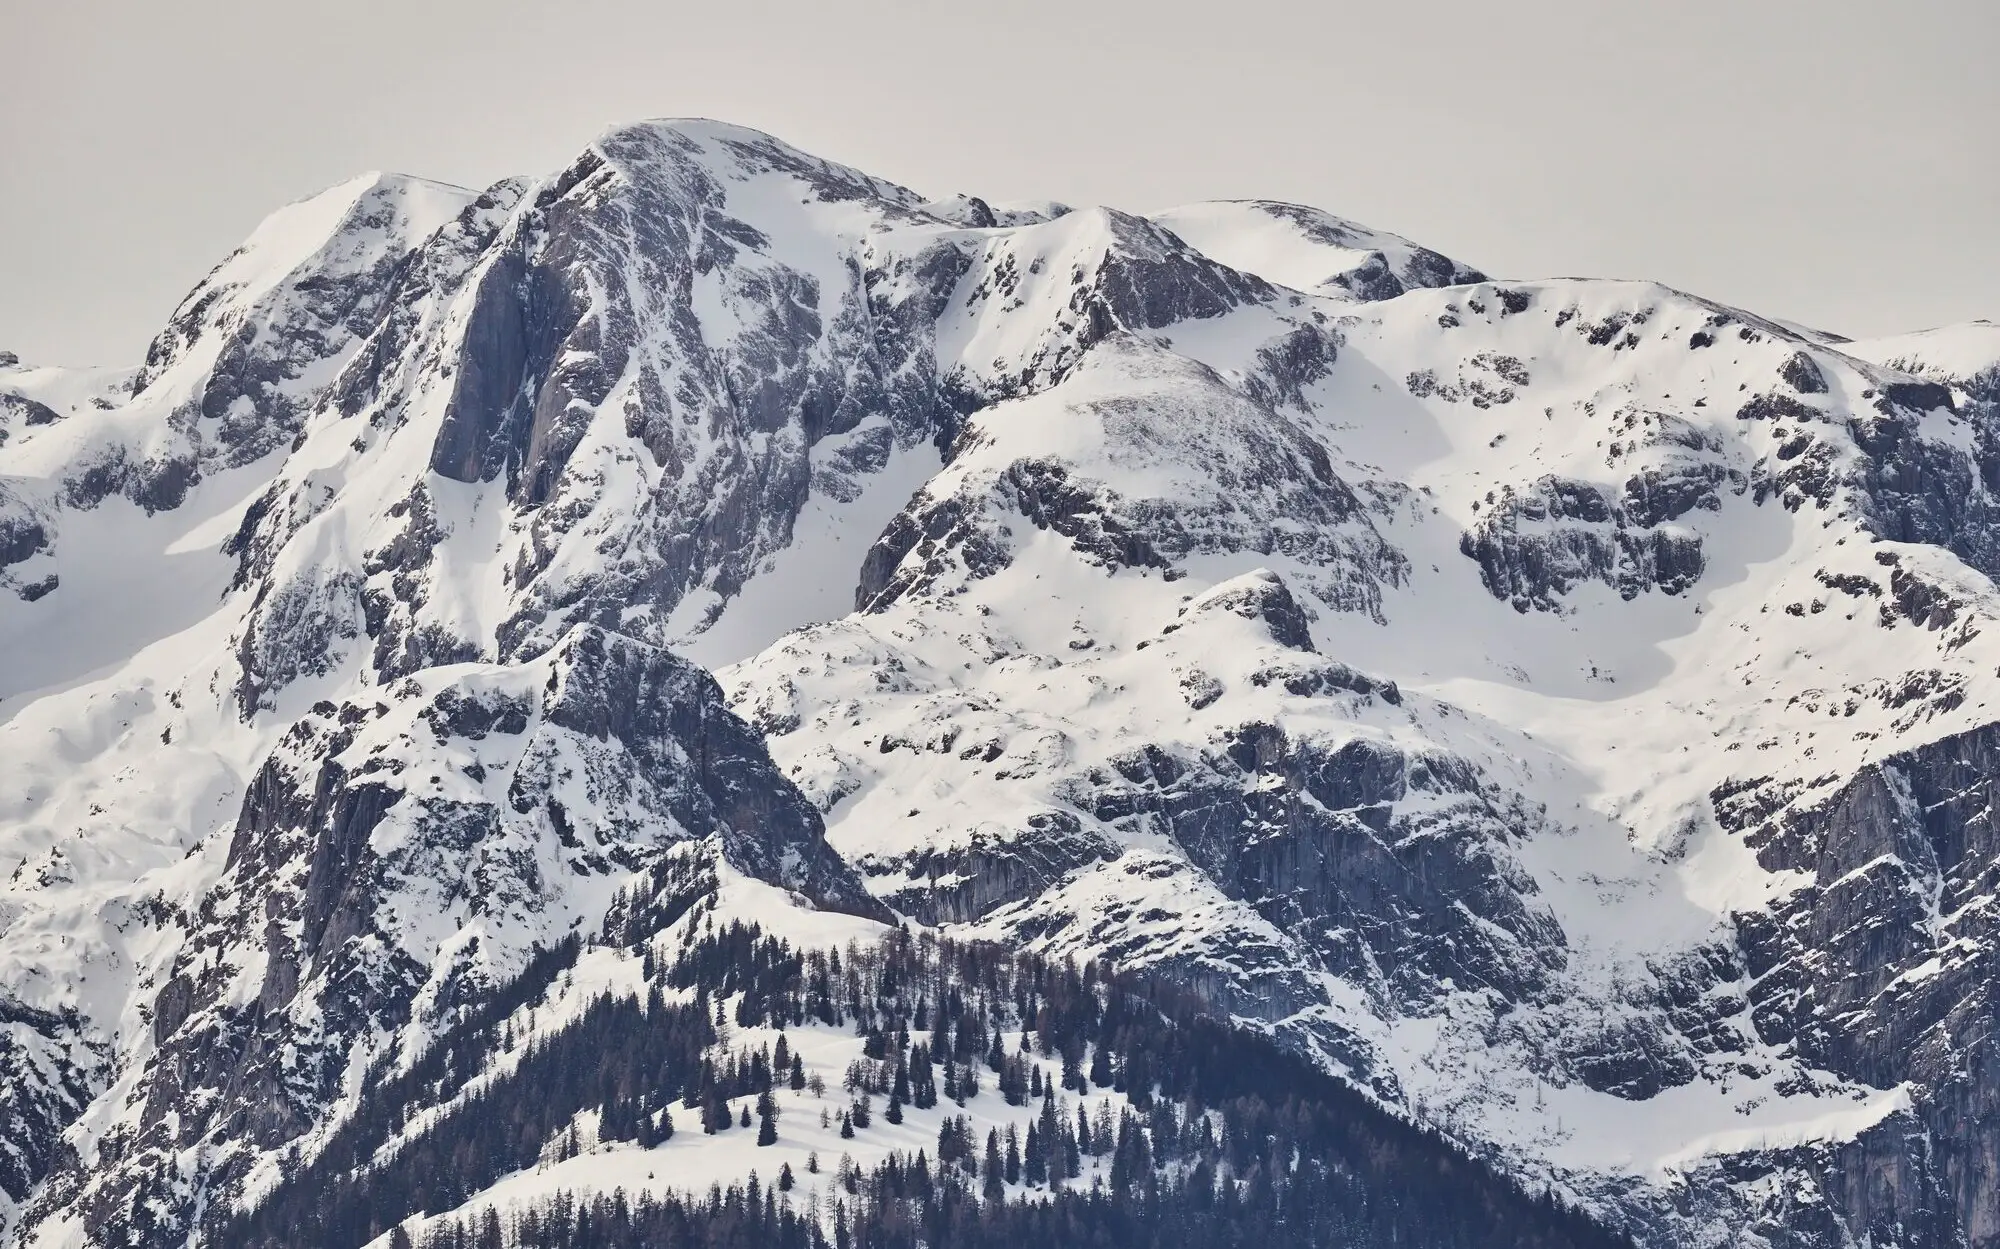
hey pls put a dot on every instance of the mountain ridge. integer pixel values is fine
(1082, 591)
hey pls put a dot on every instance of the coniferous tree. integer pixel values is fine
(1014, 1081)
(767, 1118)
(923, 1083)
(993, 1171)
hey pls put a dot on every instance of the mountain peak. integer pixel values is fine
(736, 152)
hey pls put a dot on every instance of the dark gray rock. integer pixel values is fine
(1882, 968)
(21, 533)
(25, 411)
(1534, 546)
(1261, 597)
(960, 884)
(1379, 898)
(54, 1071)
(1802, 374)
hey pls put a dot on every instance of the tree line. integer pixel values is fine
(1226, 1138)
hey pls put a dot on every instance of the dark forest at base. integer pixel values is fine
(1228, 1139)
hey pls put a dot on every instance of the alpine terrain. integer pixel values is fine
(1219, 726)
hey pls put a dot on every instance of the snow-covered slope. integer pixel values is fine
(1558, 706)
(1310, 250)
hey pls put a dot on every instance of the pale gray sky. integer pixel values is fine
(1834, 163)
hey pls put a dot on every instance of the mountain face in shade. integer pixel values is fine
(1557, 708)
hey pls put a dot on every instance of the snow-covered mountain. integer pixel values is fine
(1559, 707)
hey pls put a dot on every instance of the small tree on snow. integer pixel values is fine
(767, 1118)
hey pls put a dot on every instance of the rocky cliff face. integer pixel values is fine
(397, 858)
(1882, 964)
(1556, 706)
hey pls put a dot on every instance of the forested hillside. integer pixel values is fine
(1115, 1112)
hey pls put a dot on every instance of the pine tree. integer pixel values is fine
(1014, 1081)
(923, 1083)
(995, 1177)
(1100, 1066)
(955, 1143)
(767, 1118)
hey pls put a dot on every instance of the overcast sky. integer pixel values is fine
(1835, 163)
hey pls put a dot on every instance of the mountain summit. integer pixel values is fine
(1558, 709)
